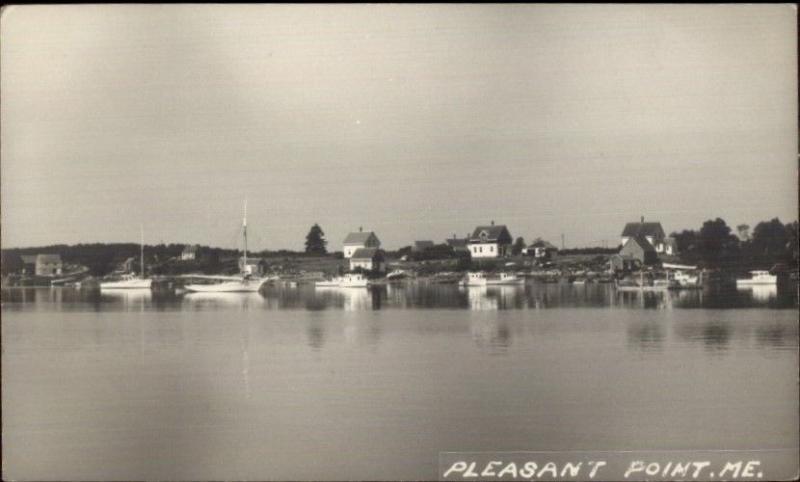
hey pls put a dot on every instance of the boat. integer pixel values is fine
(243, 283)
(349, 280)
(479, 278)
(642, 285)
(397, 275)
(758, 277)
(130, 281)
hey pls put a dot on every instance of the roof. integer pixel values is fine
(493, 233)
(643, 229)
(48, 258)
(192, 248)
(360, 237)
(642, 242)
(366, 253)
(424, 244)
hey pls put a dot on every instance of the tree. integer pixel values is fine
(315, 240)
(518, 246)
(717, 245)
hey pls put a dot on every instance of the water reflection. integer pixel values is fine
(646, 335)
(410, 295)
(491, 333)
(715, 335)
(761, 293)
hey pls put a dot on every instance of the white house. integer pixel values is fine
(489, 241)
(358, 240)
(368, 259)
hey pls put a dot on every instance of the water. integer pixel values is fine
(297, 383)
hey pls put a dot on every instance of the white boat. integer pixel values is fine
(473, 278)
(504, 279)
(397, 275)
(758, 278)
(479, 278)
(349, 280)
(130, 281)
(243, 283)
(236, 284)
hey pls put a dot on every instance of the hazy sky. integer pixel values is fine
(414, 121)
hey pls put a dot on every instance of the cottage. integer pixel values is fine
(189, 252)
(368, 259)
(358, 240)
(651, 231)
(541, 249)
(48, 264)
(254, 266)
(490, 241)
(420, 246)
(640, 249)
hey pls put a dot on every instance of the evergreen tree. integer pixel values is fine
(315, 241)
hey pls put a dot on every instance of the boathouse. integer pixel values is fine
(368, 259)
(640, 249)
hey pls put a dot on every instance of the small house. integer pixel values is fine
(368, 259)
(491, 241)
(541, 249)
(358, 240)
(640, 249)
(651, 231)
(48, 265)
(623, 263)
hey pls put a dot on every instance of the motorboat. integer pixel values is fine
(758, 277)
(479, 278)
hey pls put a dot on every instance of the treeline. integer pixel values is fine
(716, 245)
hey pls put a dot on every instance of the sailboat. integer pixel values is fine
(131, 281)
(244, 283)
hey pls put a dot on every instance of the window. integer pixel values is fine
(491, 249)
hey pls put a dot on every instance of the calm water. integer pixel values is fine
(356, 384)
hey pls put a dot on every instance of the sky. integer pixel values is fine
(415, 121)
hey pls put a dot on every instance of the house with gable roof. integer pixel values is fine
(360, 239)
(491, 241)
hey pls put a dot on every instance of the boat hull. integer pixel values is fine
(226, 287)
(133, 284)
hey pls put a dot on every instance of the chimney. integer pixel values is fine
(361, 228)
(642, 219)
(492, 222)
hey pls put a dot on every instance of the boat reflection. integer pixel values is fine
(762, 293)
(213, 301)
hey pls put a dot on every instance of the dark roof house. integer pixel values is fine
(361, 238)
(642, 228)
(491, 234)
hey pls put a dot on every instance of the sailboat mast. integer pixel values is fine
(244, 232)
(141, 245)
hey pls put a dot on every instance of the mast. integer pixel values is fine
(141, 245)
(244, 232)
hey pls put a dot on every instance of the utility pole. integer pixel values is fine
(562, 241)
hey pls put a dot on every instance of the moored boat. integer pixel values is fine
(758, 277)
